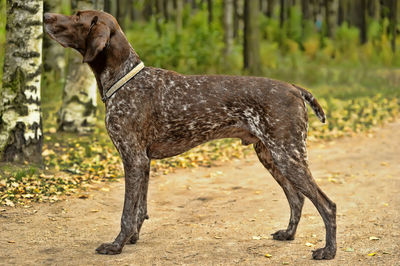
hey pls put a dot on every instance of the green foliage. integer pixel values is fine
(192, 51)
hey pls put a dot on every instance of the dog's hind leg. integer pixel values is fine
(289, 157)
(294, 197)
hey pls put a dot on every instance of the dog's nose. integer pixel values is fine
(49, 17)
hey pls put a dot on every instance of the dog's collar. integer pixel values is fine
(114, 88)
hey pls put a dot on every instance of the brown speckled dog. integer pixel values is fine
(160, 113)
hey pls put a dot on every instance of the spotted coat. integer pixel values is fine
(161, 113)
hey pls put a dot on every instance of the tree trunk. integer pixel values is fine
(159, 15)
(228, 31)
(99, 4)
(147, 11)
(210, 11)
(342, 11)
(282, 13)
(236, 18)
(305, 9)
(21, 135)
(251, 47)
(178, 16)
(373, 9)
(122, 12)
(78, 110)
(270, 8)
(362, 9)
(331, 9)
(166, 10)
(393, 23)
(53, 53)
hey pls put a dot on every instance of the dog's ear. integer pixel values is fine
(96, 41)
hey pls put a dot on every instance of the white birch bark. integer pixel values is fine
(20, 115)
(78, 110)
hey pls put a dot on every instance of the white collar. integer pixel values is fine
(114, 88)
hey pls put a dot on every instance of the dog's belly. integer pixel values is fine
(168, 148)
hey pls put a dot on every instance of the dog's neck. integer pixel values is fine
(114, 62)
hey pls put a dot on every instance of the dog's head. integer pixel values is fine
(88, 32)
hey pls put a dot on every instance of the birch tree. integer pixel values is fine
(78, 110)
(21, 135)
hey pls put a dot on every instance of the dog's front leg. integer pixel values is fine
(136, 179)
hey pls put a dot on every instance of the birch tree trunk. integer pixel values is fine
(21, 136)
(78, 110)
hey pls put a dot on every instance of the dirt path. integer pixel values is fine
(225, 215)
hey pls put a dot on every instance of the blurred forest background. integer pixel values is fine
(345, 51)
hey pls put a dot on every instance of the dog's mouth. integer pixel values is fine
(52, 35)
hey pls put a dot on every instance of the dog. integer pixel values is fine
(152, 113)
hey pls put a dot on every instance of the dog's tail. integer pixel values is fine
(309, 98)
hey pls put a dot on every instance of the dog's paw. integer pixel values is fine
(282, 235)
(325, 253)
(133, 239)
(109, 249)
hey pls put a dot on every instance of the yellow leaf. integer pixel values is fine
(373, 238)
(268, 255)
(372, 254)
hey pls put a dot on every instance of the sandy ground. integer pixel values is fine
(224, 215)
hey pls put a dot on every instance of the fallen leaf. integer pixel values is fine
(94, 210)
(9, 203)
(308, 244)
(384, 163)
(372, 254)
(268, 255)
(218, 237)
(11, 241)
(105, 189)
(349, 249)
(373, 238)
(256, 237)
